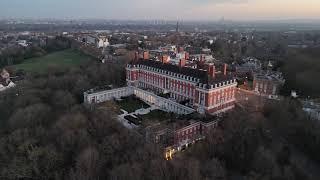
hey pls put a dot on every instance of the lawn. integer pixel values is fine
(110, 106)
(157, 115)
(62, 59)
(131, 104)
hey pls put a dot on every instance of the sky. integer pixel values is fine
(162, 9)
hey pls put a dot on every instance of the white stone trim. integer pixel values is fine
(106, 95)
(221, 104)
(223, 110)
(163, 103)
(218, 88)
(148, 97)
(172, 77)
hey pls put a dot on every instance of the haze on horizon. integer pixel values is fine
(162, 9)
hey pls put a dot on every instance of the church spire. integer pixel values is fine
(177, 28)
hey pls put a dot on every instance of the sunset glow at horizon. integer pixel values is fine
(163, 9)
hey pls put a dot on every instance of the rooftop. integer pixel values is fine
(270, 75)
(220, 78)
(202, 75)
(196, 73)
(98, 89)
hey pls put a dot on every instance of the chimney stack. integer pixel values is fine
(136, 56)
(187, 56)
(164, 59)
(225, 69)
(182, 62)
(146, 55)
(212, 70)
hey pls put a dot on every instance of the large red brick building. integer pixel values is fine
(194, 131)
(204, 90)
(177, 136)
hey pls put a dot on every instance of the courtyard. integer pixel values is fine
(131, 104)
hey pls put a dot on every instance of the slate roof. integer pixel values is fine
(196, 73)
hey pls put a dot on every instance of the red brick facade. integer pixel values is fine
(211, 98)
(193, 132)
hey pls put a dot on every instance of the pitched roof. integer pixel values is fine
(196, 73)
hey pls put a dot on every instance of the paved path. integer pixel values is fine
(141, 111)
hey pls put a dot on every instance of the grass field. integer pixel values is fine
(61, 59)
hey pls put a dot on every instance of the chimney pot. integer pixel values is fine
(212, 70)
(182, 62)
(136, 56)
(164, 59)
(225, 69)
(146, 55)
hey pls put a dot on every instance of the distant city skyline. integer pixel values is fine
(162, 9)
